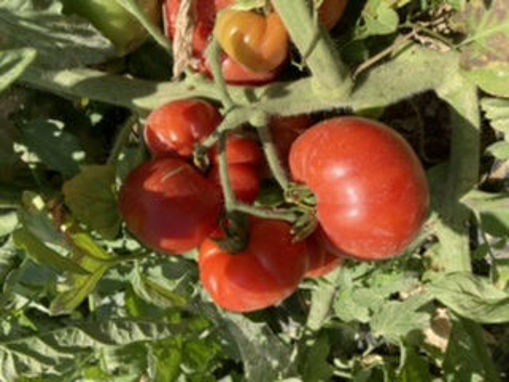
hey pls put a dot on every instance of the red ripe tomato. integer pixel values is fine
(372, 193)
(244, 179)
(263, 275)
(321, 260)
(178, 126)
(236, 74)
(239, 150)
(169, 206)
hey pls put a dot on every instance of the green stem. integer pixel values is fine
(321, 301)
(323, 59)
(266, 213)
(224, 176)
(214, 57)
(272, 156)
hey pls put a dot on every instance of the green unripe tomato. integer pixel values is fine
(113, 21)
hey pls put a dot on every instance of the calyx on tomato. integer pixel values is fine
(266, 272)
(169, 206)
(372, 193)
(114, 22)
(260, 43)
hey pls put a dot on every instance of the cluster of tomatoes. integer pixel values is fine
(255, 46)
(371, 199)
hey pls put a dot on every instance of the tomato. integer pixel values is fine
(262, 275)
(331, 12)
(239, 150)
(236, 74)
(260, 43)
(372, 193)
(114, 22)
(244, 180)
(321, 260)
(178, 126)
(169, 206)
(285, 131)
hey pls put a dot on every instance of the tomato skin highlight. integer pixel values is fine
(264, 274)
(169, 206)
(257, 42)
(372, 192)
(178, 126)
(244, 179)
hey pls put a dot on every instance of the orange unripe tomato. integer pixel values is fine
(258, 42)
(331, 12)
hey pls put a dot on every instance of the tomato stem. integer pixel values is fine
(269, 148)
(214, 57)
(321, 56)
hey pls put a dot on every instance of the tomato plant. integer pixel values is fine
(117, 24)
(178, 126)
(240, 150)
(260, 43)
(371, 189)
(169, 206)
(262, 275)
(244, 178)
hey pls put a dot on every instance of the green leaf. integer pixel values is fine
(486, 57)
(55, 350)
(379, 19)
(13, 63)
(60, 41)
(493, 209)
(313, 365)
(415, 368)
(8, 256)
(55, 147)
(43, 254)
(499, 150)
(472, 297)
(465, 357)
(90, 256)
(8, 222)
(92, 200)
(497, 111)
(395, 320)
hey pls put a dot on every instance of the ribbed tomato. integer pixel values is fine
(264, 274)
(178, 126)
(372, 193)
(321, 259)
(169, 206)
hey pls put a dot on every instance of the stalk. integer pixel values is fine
(315, 46)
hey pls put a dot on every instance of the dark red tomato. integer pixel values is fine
(263, 275)
(240, 150)
(285, 131)
(244, 179)
(169, 206)
(178, 126)
(372, 193)
(321, 260)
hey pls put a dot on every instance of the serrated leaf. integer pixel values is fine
(43, 254)
(486, 57)
(472, 297)
(497, 111)
(60, 41)
(395, 320)
(54, 351)
(92, 200)
(55, 147)
(13, 63)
